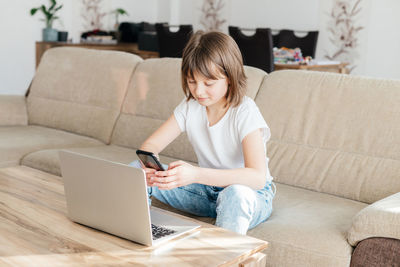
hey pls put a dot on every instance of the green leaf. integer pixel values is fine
(33, 11)
(121, 11)
(44, 10)
(52, 5)
(58, 8)
(48, 13)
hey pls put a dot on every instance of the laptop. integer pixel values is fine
(112, 197)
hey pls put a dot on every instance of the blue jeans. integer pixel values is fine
(235, 207)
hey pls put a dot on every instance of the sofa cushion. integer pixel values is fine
(17, 141)
(13, 110)
(154, 92)
(80, 90)
(380, 219)
(307, 228)
(255, 77)
(47, 160)
(333, 133)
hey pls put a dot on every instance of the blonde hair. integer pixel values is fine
(214, 55)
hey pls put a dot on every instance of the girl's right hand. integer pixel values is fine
(149, 174)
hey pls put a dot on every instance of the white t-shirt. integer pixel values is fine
(220, 146)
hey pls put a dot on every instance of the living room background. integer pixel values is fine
(377, 50)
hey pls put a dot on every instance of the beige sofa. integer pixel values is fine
(334, 151)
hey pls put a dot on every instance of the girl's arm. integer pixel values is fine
(164, 135)
(253, 174)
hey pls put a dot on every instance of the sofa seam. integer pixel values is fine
(261, 84)
(331, 149)
(123, 102)
(9, 161)
(143, 116)
(68, 101)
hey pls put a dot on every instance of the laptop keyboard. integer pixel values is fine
(159, 231)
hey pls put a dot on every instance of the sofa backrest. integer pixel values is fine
(153, 93)
(332, 133)
(80, 90)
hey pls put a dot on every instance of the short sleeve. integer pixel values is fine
(180, 114)
(249, 118)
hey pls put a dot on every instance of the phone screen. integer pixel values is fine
(149, 160)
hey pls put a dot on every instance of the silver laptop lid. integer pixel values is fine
(108, 196)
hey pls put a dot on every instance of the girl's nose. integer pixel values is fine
(199, 89)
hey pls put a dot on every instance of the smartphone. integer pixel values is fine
(149, 160)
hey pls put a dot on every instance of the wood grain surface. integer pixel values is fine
(35, 231)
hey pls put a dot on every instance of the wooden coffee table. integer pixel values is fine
(34, 231)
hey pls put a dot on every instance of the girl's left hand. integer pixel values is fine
(179, 173)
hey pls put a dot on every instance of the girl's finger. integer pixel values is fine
(163, 180)
(149, 182)
(148, 170)
(175, 164)
(166, 173)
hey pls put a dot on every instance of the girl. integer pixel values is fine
(228, 134)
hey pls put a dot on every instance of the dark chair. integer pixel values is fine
(256, 49)
(171, 44)
(147, 38)
(129, 32)
(307, 44)
(275, 40)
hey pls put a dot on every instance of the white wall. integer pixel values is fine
(359, 54)
(382, 58)
(378, 54)
(18, 32)
(274, 14)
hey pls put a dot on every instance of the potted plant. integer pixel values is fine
(49, 34)
(117, 12)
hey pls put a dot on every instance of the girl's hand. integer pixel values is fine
(179, 173)
(149, 175)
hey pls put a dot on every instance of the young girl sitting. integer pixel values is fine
(228, 134)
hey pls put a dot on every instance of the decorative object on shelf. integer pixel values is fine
(92, 14)
(93, 17)
(343, 30)
(211, 15)
(286, 55)
(118, 12)
(62, 36)
(49, 34)
(98, 37)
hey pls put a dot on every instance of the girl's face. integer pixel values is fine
(209, 93)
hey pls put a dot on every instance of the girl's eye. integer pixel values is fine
(209, 83)
(191, 82)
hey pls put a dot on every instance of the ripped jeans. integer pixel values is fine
(235, 207)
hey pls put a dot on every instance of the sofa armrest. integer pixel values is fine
(376, 251)
(13, 110)
(380, 219)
